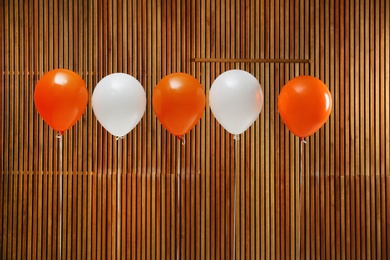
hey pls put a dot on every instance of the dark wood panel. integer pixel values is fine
(99, 197)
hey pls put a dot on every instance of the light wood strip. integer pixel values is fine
(313, 168)
(4, 214)
(381, 158)
(133, 215)
(243, 60)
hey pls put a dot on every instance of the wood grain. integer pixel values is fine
(119, 200)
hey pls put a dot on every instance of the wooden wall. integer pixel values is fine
(73, 208)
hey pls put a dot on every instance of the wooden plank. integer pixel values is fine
(335, 135)
(88, 213)
(64, 216)
(282, 168)
(152, 59)
(76, 209)
(387, 100)
(5, 200)
(169, 248)
(242, 60)
(319, 140)
(5, 81)
(271, 104)
(94, 222)
(277, 179)
(12, 230)
(110, 214)
(55, 214)
(382, 127)
(212, 180)
(44, 215)
(1, 117)
(163, 217)
(84, 213)
(25, 215)
(374, 174)
(314, 176)
(366, 130)
(139, 214)
(39, 217)
(67, 190)
(128, 221)
(250, 13)
(226, 243)
(148, 221)
(387, 211)
(104, 209)
(365, 249)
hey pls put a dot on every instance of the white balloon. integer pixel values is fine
(236, 100)
(119, 102)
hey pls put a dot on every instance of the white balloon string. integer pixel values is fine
(182, 139)
(178, 207)
(300, 201)
(236, 139)
(119, 139)
(59, 136)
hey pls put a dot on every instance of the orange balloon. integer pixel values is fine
(304, 105)
(61, 97)
(178, 102)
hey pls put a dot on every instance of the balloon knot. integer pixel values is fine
(183, 140)
(119, 137)
(303, 140)
(59, 134)
(236, 137)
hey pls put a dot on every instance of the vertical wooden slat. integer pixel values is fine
(44, 216)
(1, 113)
(381, 158)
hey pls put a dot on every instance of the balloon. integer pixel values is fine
(61, 97)
(236, 100)
(178, 102)
(119, 102)
(304, 105)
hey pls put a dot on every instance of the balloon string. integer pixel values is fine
(178, 208)
(236, 139)
(182, 138)
(59, 136)
(119, 139)
(300, 201)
